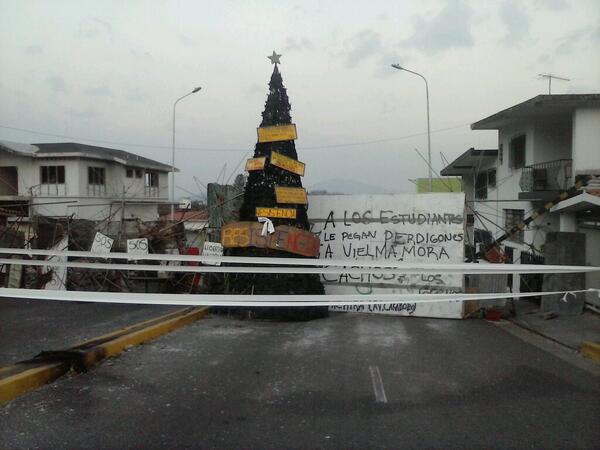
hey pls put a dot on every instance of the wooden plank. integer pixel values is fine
(291, 195)
(277, 133)
(289, 164)
(286, 238)
(256, 163)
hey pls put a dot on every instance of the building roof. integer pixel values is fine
(470, 161)
(63, 149)
(540, 106)
(74, 149)
(16, 148)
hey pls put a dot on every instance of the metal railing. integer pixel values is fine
(547, 176)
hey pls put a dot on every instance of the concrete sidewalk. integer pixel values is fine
(570, 331)
(29, 326)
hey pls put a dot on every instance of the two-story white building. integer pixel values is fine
(545, 144)
(81, 181)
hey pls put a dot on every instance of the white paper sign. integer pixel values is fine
(408, 228)
(59, 274)
(137, 246)
(102, 243)
(212, 249)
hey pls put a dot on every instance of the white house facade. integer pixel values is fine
(545, 145)
(81, 181)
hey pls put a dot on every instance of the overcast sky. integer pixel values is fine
(110, 71)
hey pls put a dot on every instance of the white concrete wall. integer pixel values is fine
(586, 141)
(592, 258)
(404, 228)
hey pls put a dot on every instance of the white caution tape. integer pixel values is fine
(415, 267)
(257, 300)
(402, 269)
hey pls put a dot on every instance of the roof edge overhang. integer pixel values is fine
(541, 104)
(469, 162)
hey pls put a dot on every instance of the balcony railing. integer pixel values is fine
(548, 176)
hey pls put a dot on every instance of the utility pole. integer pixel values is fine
(399, 67)
(550, 76)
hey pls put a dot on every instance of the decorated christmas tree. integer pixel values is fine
(273, 218)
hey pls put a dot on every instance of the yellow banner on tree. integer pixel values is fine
(289, 164)
(291, 195)
(256, 163)
(277, 133)
(277, 213)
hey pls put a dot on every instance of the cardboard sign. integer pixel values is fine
(277, 133)
(59, 274)
(286, 238)
(137, 246)
(289, 164)
(277, 213)
(291, 195)
(256, 163)
(101, 243)
(408, 228)
(212, 249)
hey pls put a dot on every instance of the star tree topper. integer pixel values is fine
(274, 58)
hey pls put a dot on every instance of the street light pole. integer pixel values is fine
(399, 67)
(196, 89)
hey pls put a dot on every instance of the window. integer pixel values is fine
(139, 173)
(517, 152)
(52, 175)
(151, 179)
(481, 186)
(129, 172)
(514, 217)
(491, 178)
(501, 153)
(96, 176)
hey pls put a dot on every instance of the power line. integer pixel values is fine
(211, 149)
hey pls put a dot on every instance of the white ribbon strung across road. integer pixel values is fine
(377, 264)
(401, 269)
(259, 300)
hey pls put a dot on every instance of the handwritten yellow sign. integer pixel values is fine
(289, 164)
(277, 133)
(278, 213)
(255, 163)
(291, 195)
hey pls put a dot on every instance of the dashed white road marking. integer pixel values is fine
(377, 385)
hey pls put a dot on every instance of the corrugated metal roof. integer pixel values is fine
(18, 148)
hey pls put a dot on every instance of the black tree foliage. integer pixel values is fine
(260, 191)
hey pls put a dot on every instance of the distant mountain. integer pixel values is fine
(339, 186)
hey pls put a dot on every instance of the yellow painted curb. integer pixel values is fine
(29, 379)
(591, 350)
(23, 377)
(115, 346)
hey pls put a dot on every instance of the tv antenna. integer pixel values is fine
(550, 76)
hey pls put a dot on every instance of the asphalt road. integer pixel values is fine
(349, 381)
(29, 326)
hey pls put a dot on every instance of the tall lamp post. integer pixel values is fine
(196, 89)
(399, 67)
